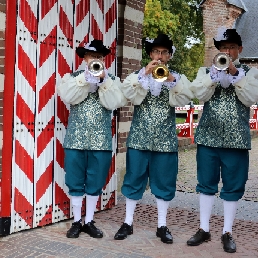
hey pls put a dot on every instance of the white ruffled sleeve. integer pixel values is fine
(73, 90)
(180, 95)
(144, 79)
(203, 87)
(247, 88)
(133, 90)
(110, 94)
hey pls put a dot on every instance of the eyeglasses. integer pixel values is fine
(158, 52)
(95, 56)
(228, 47)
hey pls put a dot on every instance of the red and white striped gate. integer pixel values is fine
(47, 33)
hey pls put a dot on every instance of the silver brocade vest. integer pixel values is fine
(153, 127)
(89, 125)
(225, 120)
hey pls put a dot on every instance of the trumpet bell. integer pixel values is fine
(96, 67)
(221, 61)
(160, 73)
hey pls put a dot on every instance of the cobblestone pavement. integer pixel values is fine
(182, 220)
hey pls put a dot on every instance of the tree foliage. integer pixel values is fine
(182, 20)
(194, 60)
(157, 20)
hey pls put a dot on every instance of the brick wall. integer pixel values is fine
(216, 13)
(129, 54)
(2, 63)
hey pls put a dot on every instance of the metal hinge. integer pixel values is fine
(5, 224)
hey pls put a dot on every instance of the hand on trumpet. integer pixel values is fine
(159, 71)
(223, 70)
(232, 69)
(170, 78)
(223, 62)
(151, 65)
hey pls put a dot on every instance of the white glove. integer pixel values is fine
(224, 78)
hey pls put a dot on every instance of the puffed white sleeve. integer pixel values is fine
(73, 89)
(133, 90)
(203, 87)
(247, 88)
(111, 95)
(181, 95)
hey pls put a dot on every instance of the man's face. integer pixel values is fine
(232, 49)
(93, 55)
(160, 53)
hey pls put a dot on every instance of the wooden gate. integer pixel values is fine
(47, 33)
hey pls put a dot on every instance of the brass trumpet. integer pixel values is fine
(221, 61)
(96, 67)
(160, 73)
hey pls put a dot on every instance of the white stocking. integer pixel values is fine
(162, 207)
(91, 203)
(77, 207)
(206, 203)
(130, 207)
(229, 215)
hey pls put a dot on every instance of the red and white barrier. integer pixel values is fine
(187, 128)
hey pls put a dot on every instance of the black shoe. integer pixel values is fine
(75, 230)
(229, 245)
(91, 230)
(165, 235)
(199, 237)
(124, 231)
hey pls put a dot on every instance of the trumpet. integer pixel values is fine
(221, 61)
(96, 67)
(160, 72)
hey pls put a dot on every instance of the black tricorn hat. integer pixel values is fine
(227, 35)
(96, 45)
(161, 40)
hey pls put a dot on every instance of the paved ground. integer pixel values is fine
(182, 220)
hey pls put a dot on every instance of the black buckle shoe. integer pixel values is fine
(91, 230)
(75, 230)
(229, 244)
(124, 231)
(165, 235)
(199, 237)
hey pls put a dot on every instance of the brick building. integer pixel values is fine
(239, 14)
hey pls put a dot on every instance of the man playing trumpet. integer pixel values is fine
(152, 142)
(223, 135)
(88, 139)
